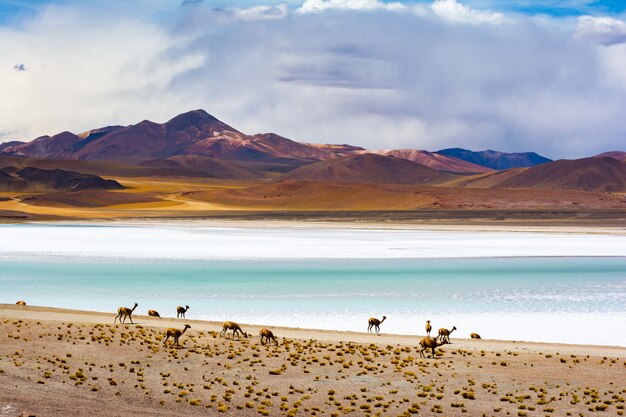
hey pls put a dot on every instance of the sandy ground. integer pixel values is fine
(171, 197)
(56, 362)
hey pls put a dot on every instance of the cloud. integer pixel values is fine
(456, 12)
(601, 30)
(316, 6)
(449, 10)
(378, 79)
(86, 67)
(278, 11)
(19, 67)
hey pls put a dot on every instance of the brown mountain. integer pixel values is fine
(436, 161)
(192, 133)
(202, 166)
(196, 144)
(30, 178)
(599, 174)
(619, 155)
(260, 147)
(369, 168)
(59, 146)
(337, 150)
(5, 145)
(198, 133)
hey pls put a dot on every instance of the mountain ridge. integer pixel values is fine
(197, 132)
(495, 159)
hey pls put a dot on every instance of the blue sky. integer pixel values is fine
(10, 9)
(515, 75)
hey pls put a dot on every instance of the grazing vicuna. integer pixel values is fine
(430, 343)
(229, 325)
(124, 312)
(475, 336)
(444, 334)
(180, 311)
(374, 323)
(175, 333)
(267, 335)
(153, 313)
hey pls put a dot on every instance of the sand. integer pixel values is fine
(56, 362)
(172, 197)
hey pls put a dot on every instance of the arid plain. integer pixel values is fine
(51, 355)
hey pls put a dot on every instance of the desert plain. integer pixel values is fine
(57, 362)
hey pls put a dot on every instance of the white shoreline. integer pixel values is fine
(202, 242)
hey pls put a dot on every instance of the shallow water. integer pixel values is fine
(569, 300)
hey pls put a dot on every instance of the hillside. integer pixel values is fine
(30, 178)
(588, 174)
(369, 168)
(201, 166)
(495, 159)
(436, 161)
(619, 155)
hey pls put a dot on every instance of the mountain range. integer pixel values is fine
(196, 144)
(200, 134)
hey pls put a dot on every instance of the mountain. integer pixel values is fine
(260, 147)
(30, 178)
(588, 174)
(59, 146)
(495, 159)
(192, 133)
(202, 166)
(5, 145)
(369, 168)
(436, 161)
(619, 155)
(337, 150)
(597, 174)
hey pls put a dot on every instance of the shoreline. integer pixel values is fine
(55, 314)
(582, 221)
(347, 224)
(294, 240)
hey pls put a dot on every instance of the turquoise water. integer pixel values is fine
(510, 298)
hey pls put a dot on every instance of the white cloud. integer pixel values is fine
(83, 68)
(262, 12)
(456, 12)
(375, 79)
(602, 30)
(315, 6)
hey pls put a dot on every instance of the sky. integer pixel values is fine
(513, 75)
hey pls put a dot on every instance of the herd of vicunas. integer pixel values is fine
(443, 334)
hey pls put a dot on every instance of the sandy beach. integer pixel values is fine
(49, 355)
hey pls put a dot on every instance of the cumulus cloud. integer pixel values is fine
(315, 6)
(456, 12)
(602, 30)
(378, 79)
(278, 11)
(86, 67)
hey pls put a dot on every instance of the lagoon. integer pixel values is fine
(564, 299)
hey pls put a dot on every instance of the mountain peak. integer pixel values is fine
(198, 119)
(495, 159)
